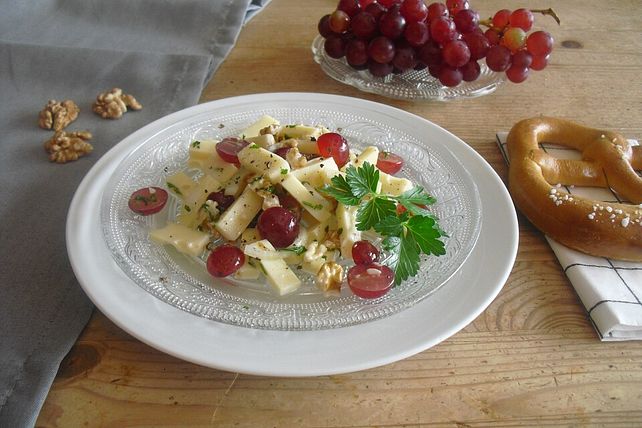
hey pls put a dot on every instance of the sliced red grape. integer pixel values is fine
(282, 151)
(148, 200)
(389, 163)
(291, 204)
(229, 147)
(224, 260)
(364, 253)
(335, 146)
(279, 226)
(370, 281)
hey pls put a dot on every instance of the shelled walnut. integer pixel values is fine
(57, 115)
(330, 276)
(113, 104)
(68, 146)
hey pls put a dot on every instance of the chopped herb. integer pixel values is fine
(290, 126)
(254, 146)
(313, 206)
(187, 208)
(221, 126)
(196, 144)
(243, 137)
(174, 188)
(246, 307)
(284, 171)
(313, 139)
(296, 249)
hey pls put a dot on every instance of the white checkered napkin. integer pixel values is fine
(610, 290)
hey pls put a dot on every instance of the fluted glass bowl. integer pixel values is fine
(410, 85)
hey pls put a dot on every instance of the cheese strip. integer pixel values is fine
(239, 215)
(309, 198)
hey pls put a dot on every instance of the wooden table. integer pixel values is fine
(531, 358)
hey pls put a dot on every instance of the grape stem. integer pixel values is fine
(546, 12)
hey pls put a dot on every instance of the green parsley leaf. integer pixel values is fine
(392, 225)
(404, 256)
(341, 191)
(415, 201)
(426, 234)
(362, 181)
(373, 212)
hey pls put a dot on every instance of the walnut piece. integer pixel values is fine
(113, 104)
(330, 276)
(57, 115)
(295, 158)
(314, 251)
(68, 146)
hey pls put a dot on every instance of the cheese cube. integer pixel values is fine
(184, 239)
(395, 186)
(347, 224)
(254, 129)
(370, 154)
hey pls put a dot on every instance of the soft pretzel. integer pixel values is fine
(598, 228)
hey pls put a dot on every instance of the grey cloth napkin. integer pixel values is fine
(162, 52)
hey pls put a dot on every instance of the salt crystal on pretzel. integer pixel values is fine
(612, 230)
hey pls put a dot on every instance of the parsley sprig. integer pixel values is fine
(406, 235)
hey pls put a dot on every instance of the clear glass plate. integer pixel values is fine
(411, 85)
(183, 281)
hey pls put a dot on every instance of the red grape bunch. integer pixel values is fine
(394, 36)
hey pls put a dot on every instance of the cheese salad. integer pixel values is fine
(327, 229)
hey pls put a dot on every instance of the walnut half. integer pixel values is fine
(113, 104)
(68, 146)
(330, 276)
(57, 115)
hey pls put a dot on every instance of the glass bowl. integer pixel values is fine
(183, 281)
(410, 85)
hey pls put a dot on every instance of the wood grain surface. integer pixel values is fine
(531, 359)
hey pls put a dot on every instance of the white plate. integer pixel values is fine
(294, 353)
